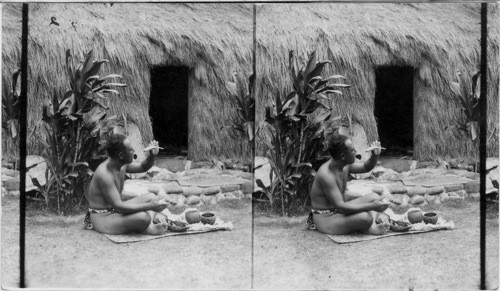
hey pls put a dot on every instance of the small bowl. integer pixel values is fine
(399, 226)
(415, 216)
(193, 216)
(431, 217)
(208, 218)
(177, 226)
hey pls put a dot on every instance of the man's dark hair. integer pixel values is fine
(336, 145)
(114, 145)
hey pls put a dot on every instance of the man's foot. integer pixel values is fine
(159, 218)
(382, 218)
(378, 229)
(156, 229)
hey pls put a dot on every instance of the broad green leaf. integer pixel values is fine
(110, 91)
(111, 76)
(340, 85)
(311, 63)
(260, 183)
(116, 85)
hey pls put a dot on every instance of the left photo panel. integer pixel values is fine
(140, 126)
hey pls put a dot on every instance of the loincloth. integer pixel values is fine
(310, 219)
(87, 222)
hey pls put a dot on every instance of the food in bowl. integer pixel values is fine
(399, 226)
(177, 226)
(208, 218)
(430, 218)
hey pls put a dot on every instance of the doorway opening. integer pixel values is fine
(394, 109)
(169, 107)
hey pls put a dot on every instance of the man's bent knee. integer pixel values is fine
(365, 220)
(141, 220)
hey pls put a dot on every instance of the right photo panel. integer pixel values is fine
(367, 148)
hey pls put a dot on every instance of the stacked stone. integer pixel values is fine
(419, 195)
(195, 196)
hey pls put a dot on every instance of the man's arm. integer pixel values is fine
(334, 196)
(367, 166)
(141, 167)
(147, 163)
(112, 196)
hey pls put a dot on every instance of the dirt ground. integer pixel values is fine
(288, 256)
(61, 254)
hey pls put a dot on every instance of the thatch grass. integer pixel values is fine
(436, 39)
(213, 40)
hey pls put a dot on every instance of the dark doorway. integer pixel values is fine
(168, 108)
(394, 109)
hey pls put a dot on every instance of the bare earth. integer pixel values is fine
(288, 256)
(61, 254)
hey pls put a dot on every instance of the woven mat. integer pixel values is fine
(204, 181)
(416, 228)
(353, 238)
(433, 180)
(193, 229)
(136, 237)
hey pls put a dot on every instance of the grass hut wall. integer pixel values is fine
(434, 40)
(210, 41)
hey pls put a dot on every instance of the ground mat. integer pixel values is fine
(433, 180)
(136, 237)
(353, 238)
(196, 228)
(416, 228)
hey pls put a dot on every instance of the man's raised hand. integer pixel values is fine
(153, 148)
(375, 148)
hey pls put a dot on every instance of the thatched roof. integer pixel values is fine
(213, 40)
(436, 39)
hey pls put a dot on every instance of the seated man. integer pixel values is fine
(331, 213)
(108, 212)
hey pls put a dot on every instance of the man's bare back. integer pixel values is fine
(107, 210)
(318, 199)
(331, 212)
(95, 197)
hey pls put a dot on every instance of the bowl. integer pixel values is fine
(193, 216)
(177, 226)
(208, 218)
(415, 216)
(431, 217)
(399, 226)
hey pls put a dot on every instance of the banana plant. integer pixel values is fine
(241, 94)
(469, 102)
(298, 124)
(468, 98)
(11, 111)
(75, 125)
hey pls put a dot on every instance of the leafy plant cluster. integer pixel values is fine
(241, 95)
(298, 124)
(468, 98)
(73, 128)
(10, 115)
